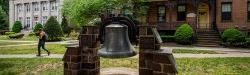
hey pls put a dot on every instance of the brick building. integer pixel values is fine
(31, 12)
(201, 14)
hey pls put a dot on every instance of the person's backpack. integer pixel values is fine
(46, 36)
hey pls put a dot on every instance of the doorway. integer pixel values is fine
(203, 16)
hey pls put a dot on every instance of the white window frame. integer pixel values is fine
(27, 7)
(44, 19)
(44, 6)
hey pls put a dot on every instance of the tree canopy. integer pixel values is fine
(4, 10)
(3, 19)
(81, 12)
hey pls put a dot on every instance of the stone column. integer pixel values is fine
(40, 12)
(152, 59)
(83, 59)
(24, 14)
(11, 14)
(32, 15)
(49, 10)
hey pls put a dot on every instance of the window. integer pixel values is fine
(44, 19)
(27, 6)
(53, 6)
(44, 6)
(19, 8)
(35, 7)
(248, 11)
(161, 14)
(181, 13)
(20, 19)
(27, 23)
(226, 11)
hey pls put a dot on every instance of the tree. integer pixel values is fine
(37, 27)
(53, 29)
(3, 19)
(82, 12)
(17, 27)
(66, 28)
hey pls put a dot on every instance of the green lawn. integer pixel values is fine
(194, 51)
(186, 66)
(60, 49)
(27, 38)
(13, 43)
(32, 49)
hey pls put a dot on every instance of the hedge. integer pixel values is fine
(9, 33)
(184, 34)
(17, 27)
(37, 27)
(16, 36)
(233, 35)
(168, 38)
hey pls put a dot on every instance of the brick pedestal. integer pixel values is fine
(152, 59)
(83, 59)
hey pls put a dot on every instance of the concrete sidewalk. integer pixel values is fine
(175, 55)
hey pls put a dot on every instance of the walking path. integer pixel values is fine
(175, 55)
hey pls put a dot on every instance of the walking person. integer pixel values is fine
(41, 44)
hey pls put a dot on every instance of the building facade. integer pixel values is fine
(31, 12)
(200, 14)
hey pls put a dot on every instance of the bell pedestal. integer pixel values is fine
(116, 43)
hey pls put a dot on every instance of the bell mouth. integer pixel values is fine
(122, 54)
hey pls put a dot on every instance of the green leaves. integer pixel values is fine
(81, 12)
(53, 29)
(17, 27)
(184, 34)
(37, 27)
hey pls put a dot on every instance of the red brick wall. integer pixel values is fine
(239, 15)
(171, 13)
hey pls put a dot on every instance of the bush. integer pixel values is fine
(184, 34)
(233, 35)
(166, 38)
(73, 35)
(65, 27)
(248, 41)
(17, 27)
(16, 36)
(53, 30)
(9, 33)
(37, 27)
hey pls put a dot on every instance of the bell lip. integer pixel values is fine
(105, 54)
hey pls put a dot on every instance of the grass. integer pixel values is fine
(194, 51)
(186, 66)
(32, 49)
(13, 43)
(27, 38)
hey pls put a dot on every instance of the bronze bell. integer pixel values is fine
(116, 43)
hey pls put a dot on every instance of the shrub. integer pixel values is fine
(166, 38)
(248, 41)
(9, 33)
(37, 27)
(73, 35)
(233, 35)
(53, 30)
(65, 27)
(16, 36)
(184, 34)
(17, 27)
